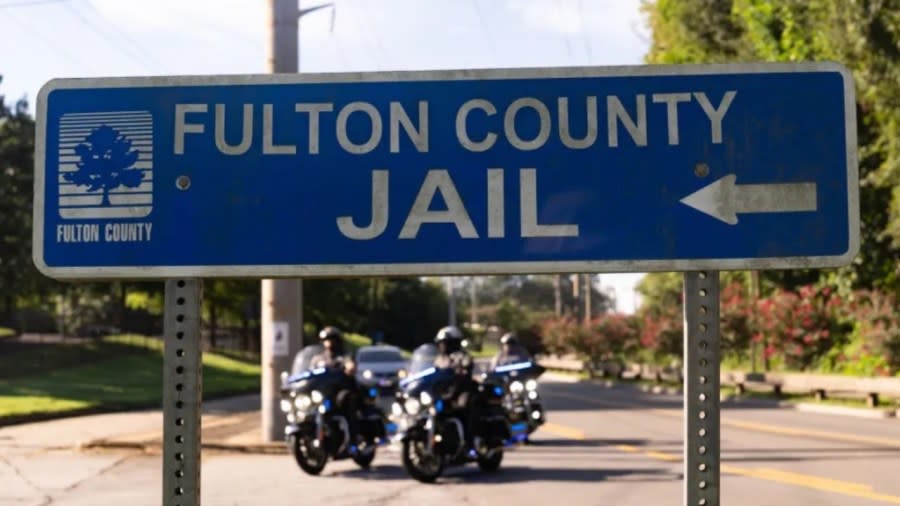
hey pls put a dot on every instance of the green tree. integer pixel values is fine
(230, 302)
(510, 316)
(18, 275)
(408, 311)
(660, 289)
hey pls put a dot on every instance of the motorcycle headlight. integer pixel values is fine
(302, 402)
(285, 406)
(317, 396)
(531, 385)
(412, 406)
(516, 387)
(425, 398)
(402, 373)
(367, 374)
(533, 395)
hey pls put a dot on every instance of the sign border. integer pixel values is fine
(441, 269)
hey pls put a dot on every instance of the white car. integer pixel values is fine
(380, 366)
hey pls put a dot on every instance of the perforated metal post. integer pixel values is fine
(182, 388)
(701, 392)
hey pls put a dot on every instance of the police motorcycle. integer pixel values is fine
(521, 399)
(422, 359)
(316, 429)
(435, 433)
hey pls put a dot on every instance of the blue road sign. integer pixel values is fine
(448, 172)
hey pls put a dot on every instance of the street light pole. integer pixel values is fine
(451, 302)
(282, 299)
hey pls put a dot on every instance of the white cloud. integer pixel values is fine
(218, 19)
(209, 18)
(604, 18)
(628, 300)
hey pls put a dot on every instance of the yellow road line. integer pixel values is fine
(562, 430)
(668, 457)
(822, 484)
(813, 482)
(790, 431)
(812, 433)
(828, 482)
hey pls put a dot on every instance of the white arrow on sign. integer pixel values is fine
(724, 199)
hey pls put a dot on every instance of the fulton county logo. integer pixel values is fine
(106, 165)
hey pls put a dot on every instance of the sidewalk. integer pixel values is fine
(231, 424)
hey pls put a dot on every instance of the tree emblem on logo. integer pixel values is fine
(106, 162)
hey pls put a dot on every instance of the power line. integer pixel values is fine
(381, 54)
(487, 32)
(94, 28)
(55, 48)
(340, 48)
(29, 3)
(565, 34)
(122, 33)
(584, 33)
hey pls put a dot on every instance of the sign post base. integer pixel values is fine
(182, 393)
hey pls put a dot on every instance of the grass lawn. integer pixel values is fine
(19, 359)
(128, 381)
(487, 351)
(355, 341)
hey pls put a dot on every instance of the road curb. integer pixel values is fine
(156, 446)
(660, 389)
(872, 413)
(561, 377)
(807, 407)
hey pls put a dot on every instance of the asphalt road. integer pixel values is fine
(602, 446)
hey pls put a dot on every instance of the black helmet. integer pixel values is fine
(509, 339)
(335, 337)
(449, 339)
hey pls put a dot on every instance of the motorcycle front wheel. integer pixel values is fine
(421, 464)
(490, 463)
(365, 456)
(310, 458)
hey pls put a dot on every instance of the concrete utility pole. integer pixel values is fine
(451, 302)
(557, 294)
(576, 294)
(473, 302)
(282, 299)
(588, 287)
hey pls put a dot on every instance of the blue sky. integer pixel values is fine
(44, 39)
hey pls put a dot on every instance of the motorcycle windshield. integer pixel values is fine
(513, 360)
(303, 359)
(427, 380)
(521, 368)
(325, 380)
(422, 359)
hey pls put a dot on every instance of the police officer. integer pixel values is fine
(451, 354)
(511, 351)
(332, 340)
(347, 401)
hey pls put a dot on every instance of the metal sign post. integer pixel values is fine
(182, 393)
(701, 388)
